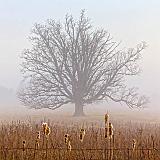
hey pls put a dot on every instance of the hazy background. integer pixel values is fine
(128, 21)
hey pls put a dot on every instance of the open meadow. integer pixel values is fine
(26, 139)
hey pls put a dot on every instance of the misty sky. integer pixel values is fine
(129, 21)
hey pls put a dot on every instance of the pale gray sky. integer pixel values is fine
(128, 21)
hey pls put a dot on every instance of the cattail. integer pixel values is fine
(37, 139)
(66, 138)
(67, 141)
(48, 131)
(106, 118)
(38, 135)
(82, 134)
(110, 130)
(24, 145)
(44, 126)
(69, 146)
(106, 125)
(133, 144)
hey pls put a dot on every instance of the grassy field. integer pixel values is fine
(26, 140)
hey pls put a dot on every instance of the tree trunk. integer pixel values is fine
(78, 109)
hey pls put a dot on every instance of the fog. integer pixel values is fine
(128, 21)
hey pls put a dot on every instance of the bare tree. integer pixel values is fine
(72, 62)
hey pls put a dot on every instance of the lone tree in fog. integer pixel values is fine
(72, 62)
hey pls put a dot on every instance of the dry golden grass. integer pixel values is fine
(30, 141)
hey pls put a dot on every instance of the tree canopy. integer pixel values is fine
(72, 62)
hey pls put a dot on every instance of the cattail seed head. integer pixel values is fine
(133, 144)
(48, 131)
(82, 134)
(67, 142)
(66, 138)
(69, 146)
(38, 135)
(106, 132)
(106, 125)
(44, 127)
(110, 130)
(106, 118)
(37, 140)
(24, 144)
